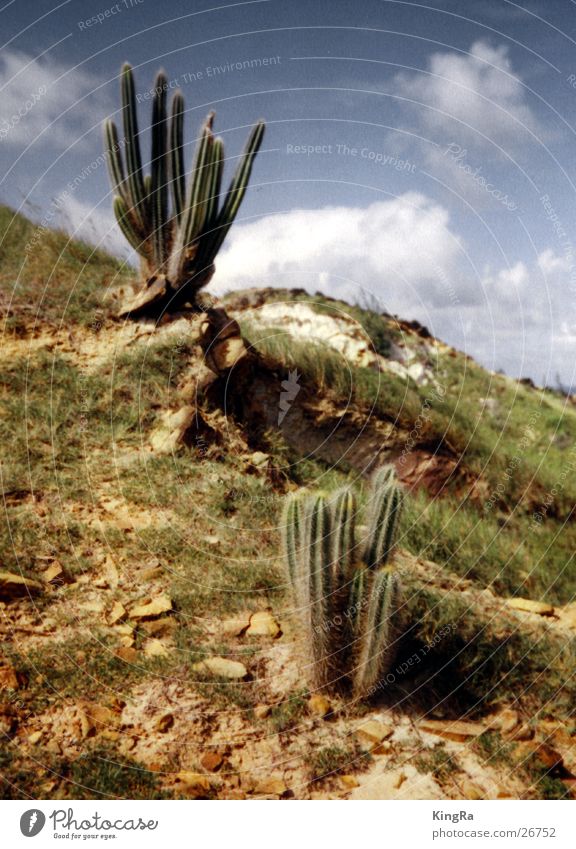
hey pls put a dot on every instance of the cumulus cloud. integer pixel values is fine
(36, 94)
(406, 254)
(402, 250)
(475, 98)
(530, 324)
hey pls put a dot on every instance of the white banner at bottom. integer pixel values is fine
(287, 825)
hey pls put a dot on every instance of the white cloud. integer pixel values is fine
(36, 93)
(402, 250)
(531, 325)
(480, 90)
(405, 253)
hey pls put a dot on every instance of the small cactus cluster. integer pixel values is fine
(345, 591)
(176, 228)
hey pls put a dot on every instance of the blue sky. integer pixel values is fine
(420, 153)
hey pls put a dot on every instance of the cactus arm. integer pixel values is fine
(216, 169)
(114, 160)
(318, 587)
(292, 539)
(196, 205)
(343, 535)
(377, 647)
(385, 509)
(177, 173)
(235, 194)
(159, 166)
(123, 218)
(133, 154)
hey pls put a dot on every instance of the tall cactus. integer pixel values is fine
(176, 228)
(348, 605)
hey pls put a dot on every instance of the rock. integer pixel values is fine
(155, 648)
(319, 705)
(211, 761)
(395, 785)
(164, 627)
(15, 586)
(270, 787)
(194, 780)
(151, 573)
(348, 782)
(222, 668)
(87, 728)
(55, 575)
(457, 730)
(259, 458)
(117, 613)
(8, 678)
(127, 654)
(227, 353)
(236, 626)
(34, 738)
(568, 615)
(151, 607)
(262, 711)
(263, 624)
(529, 606)
(471, 791)
(372, 732)
(164, 723)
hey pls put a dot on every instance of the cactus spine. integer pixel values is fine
(348, 607)
(176, 228)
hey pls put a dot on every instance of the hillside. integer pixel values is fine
(143, 476)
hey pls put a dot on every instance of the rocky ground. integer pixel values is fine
(149, 647)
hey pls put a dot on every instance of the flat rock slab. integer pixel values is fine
(457, 730)
(15, 586)
(529, 606)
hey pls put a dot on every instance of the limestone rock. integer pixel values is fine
(270, 787)
(237, 625)
(470, 790)
(457, 730)
(263, 624)
(529, 606)
(373, 733)
(151, 607)
(117, 613)
(222, 668)
(127, 654)
(155, 648)
(319, 705)
(194, 780)
(55, 575)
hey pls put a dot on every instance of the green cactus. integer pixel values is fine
(348, 606)
(176, 228)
